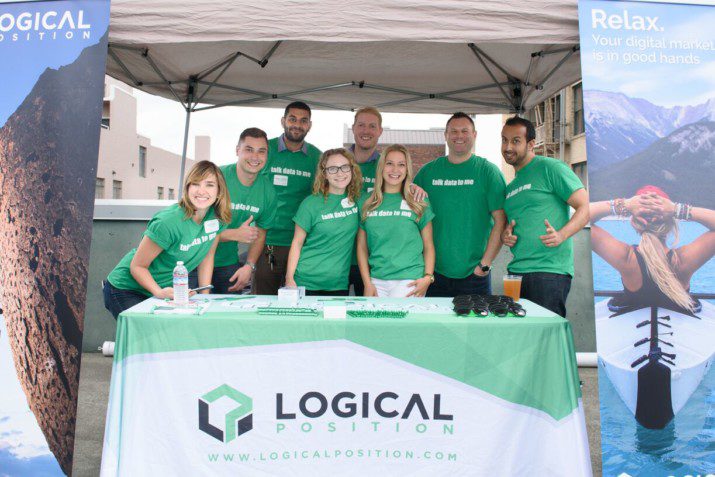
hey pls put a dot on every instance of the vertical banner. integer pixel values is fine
(52, 61)
(649, 101)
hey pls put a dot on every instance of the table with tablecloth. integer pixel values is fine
(231, 391)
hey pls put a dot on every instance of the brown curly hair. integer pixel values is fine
(320, 186)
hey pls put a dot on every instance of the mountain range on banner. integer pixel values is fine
(629, 138)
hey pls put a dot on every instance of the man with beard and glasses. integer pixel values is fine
(539, 229)
(290, 168)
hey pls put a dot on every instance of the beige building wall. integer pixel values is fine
(574, 153)
(121, 174)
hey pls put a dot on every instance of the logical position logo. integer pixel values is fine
(237, 421)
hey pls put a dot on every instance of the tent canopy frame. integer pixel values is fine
(514, 90)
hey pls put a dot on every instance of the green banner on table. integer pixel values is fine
(429, 394)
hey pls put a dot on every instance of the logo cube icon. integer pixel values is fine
(237, 421)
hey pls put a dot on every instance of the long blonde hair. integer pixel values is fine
(375, 199)
(653, 248)
(222, 206)
(321, 185)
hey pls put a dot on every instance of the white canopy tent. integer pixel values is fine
(423, 56)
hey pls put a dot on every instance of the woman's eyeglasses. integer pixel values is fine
(334, 169)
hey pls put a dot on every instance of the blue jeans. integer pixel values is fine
(549, 290)
(116, 300)
(450, 287)
(219, 278)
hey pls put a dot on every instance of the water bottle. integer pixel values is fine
(181, 284)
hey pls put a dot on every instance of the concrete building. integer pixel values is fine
(129, 166)
(424, 145)
(560, 131)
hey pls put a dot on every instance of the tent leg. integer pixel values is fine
(183, 153)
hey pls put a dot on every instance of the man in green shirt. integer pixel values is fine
(467, 196)
(291, 167)
(537, 208)
(367, 129)
(253, 210)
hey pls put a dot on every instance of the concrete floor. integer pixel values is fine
(96, 372)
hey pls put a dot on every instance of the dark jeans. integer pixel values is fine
(451, 287)
(356, 281)
(219, 279)
(116, 300)
(549, 290)
(267, 280)
(326, 293)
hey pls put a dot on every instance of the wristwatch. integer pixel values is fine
(252, 265)
(431, 277)
(485, 268)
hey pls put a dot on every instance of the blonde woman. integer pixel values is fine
(325, 226)
(395, 250)
(652, 272)
(186, 231)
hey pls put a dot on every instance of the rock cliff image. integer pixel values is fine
(48, 160)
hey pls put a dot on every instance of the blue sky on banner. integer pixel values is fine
(27, 52)
(668, 58)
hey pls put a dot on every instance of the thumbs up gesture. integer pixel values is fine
(245, 233)
(507, 236)
(553, 237)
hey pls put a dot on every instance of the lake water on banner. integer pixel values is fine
(686, 445)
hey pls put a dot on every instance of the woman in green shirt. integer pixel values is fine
(185, 232)
(395, 250)
(325, 226)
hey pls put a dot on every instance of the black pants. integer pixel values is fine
(450, 287)
(116, 300)
(355, 279)
(269, 278)
(219, 279)
(549, 290)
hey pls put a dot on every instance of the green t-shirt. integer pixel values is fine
(180, 238)
(292, 175)
(331, 225)
(258, 200)
(394, 241)
(540, 191)
(368, 184)
(462, 198)
(368, 176)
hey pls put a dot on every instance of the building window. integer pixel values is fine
(116, 189)
(581, 171)
(578, 125)
(142, 161)
(159, 192)
(171, 194)
(105, 123)
(99, 188)
(556, 126)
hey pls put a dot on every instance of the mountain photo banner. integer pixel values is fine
(52, 69)
(649, 102)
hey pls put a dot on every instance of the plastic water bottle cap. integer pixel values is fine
(179, 263)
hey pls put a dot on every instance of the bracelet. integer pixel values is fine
(683, 211)
(620, 209)
(612, 203)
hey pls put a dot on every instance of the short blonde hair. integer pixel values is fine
(368, 110)
(320, 185)
(199, 172)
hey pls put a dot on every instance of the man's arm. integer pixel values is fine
(243, 274)
(494, 242)
(579, 201)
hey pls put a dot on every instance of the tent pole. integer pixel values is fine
(189, 100)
